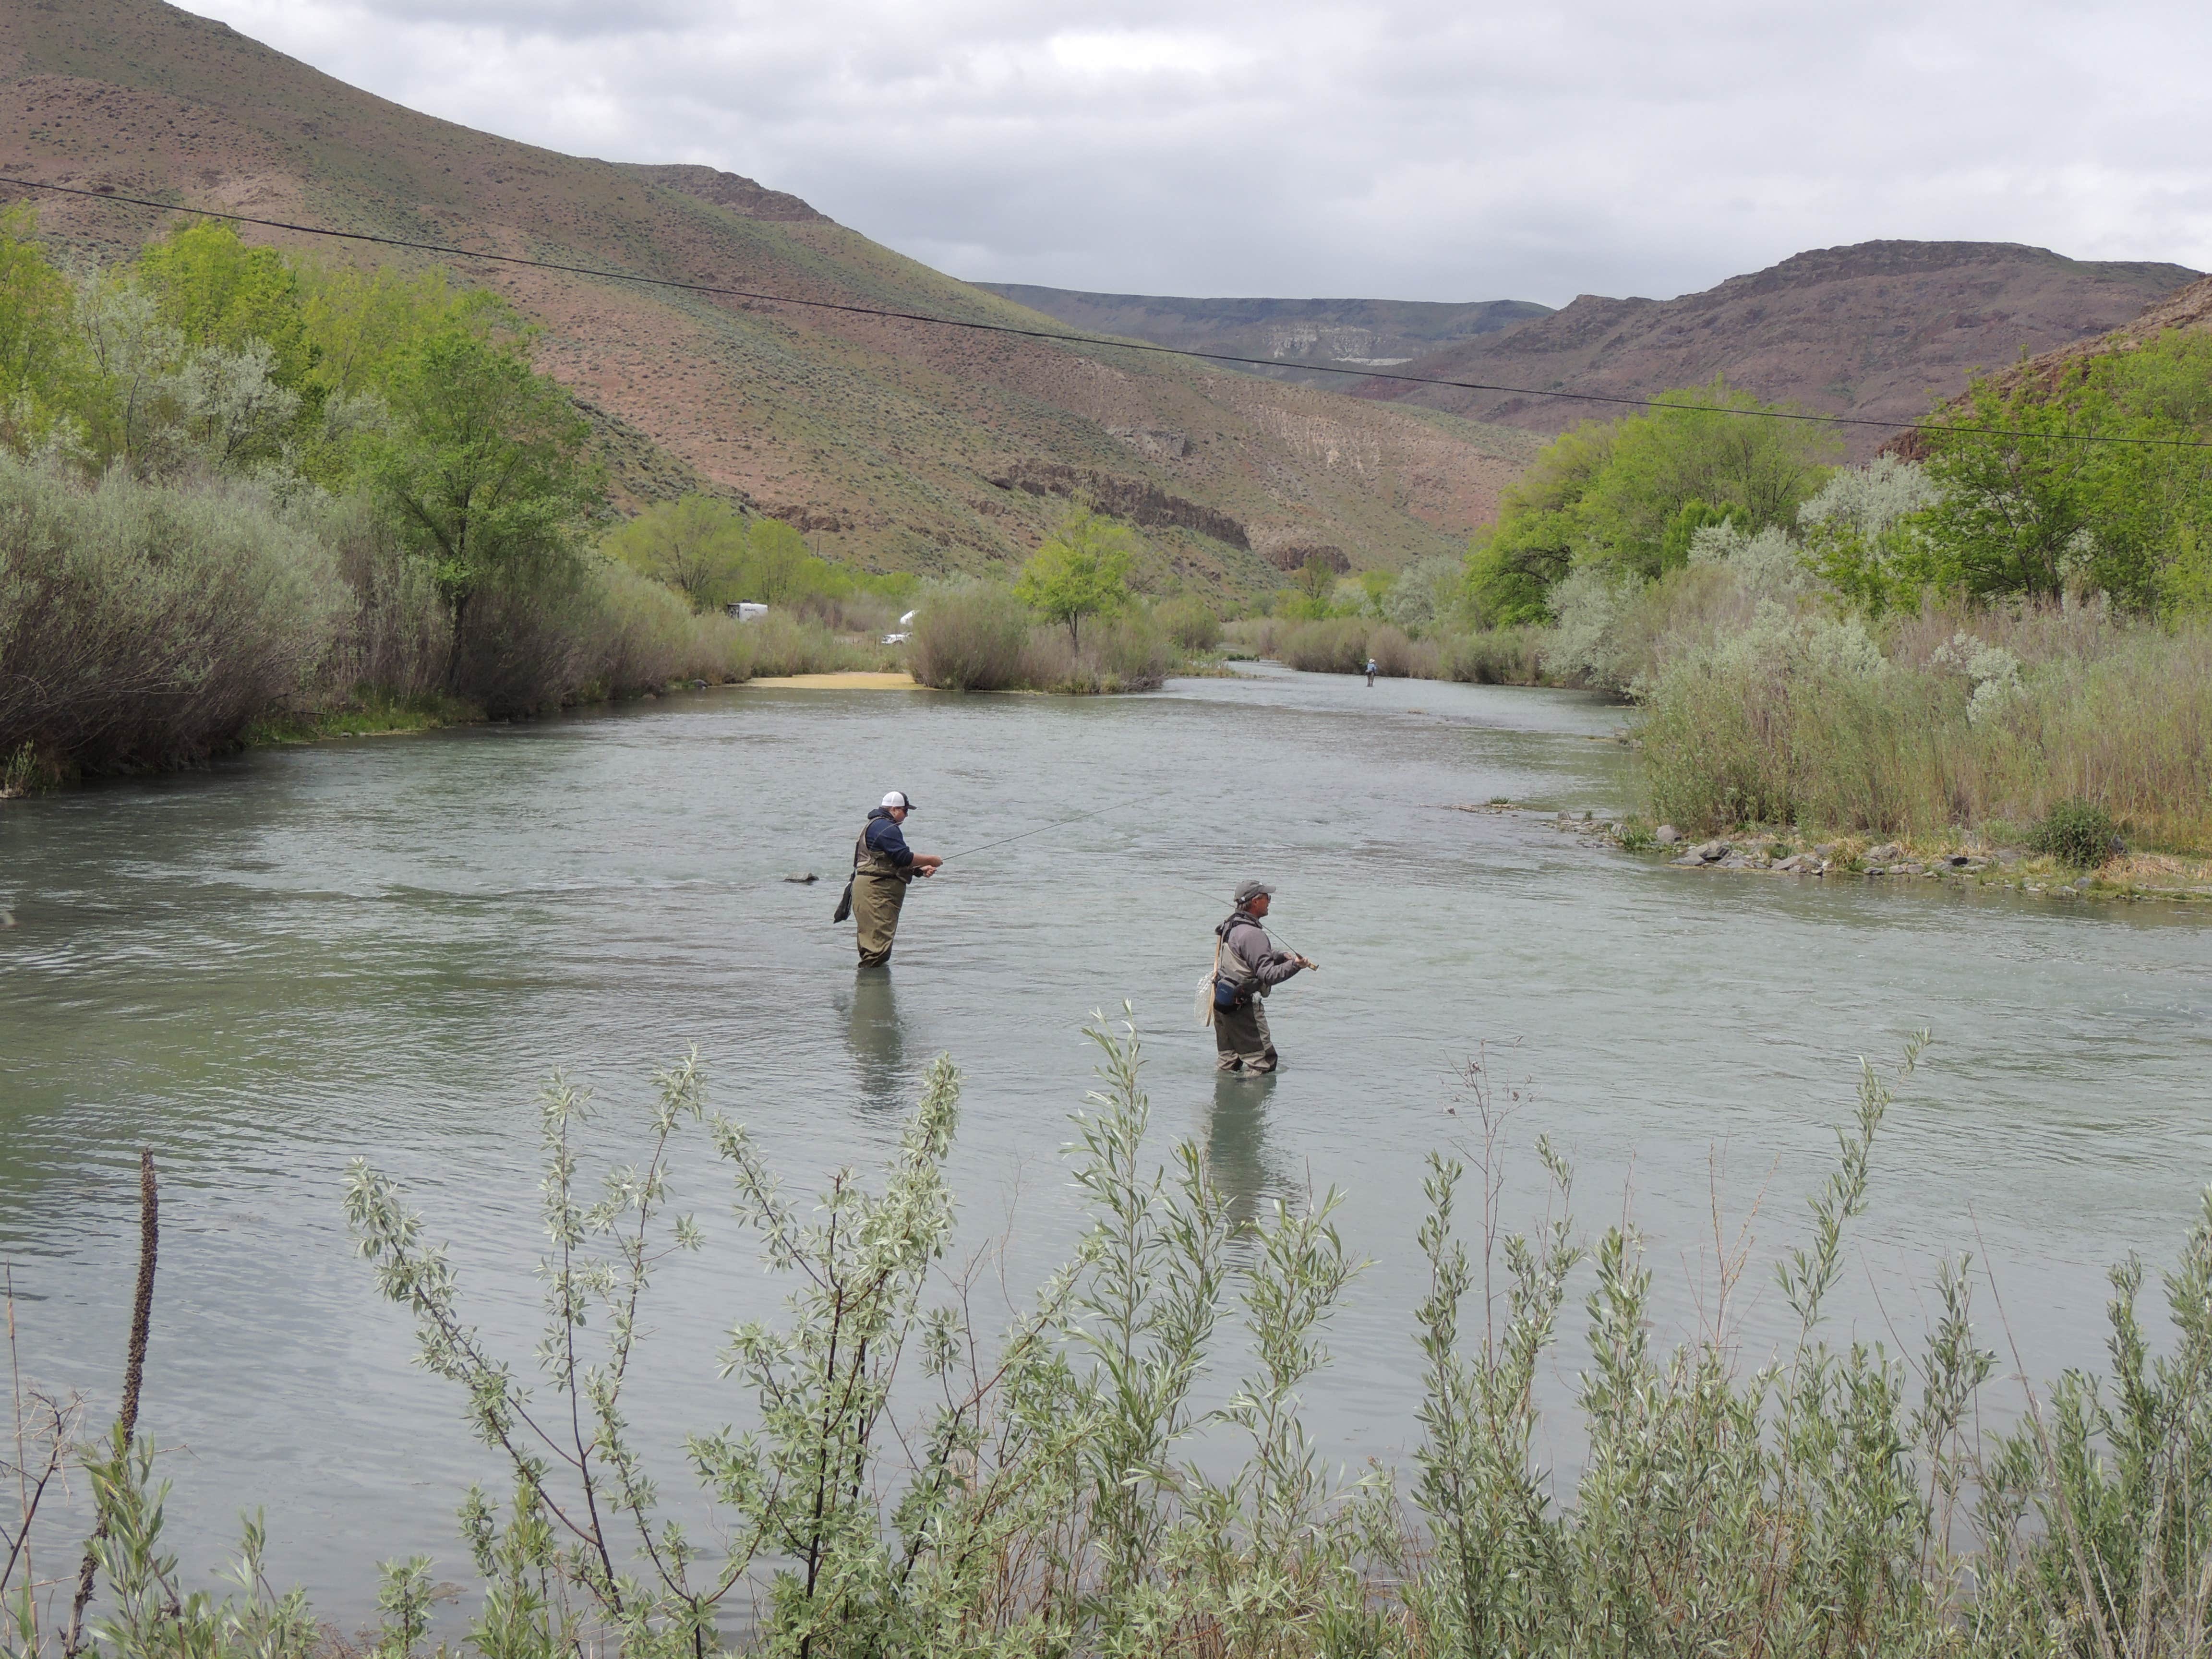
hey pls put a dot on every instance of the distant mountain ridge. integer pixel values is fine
(893, 444)
(1299, 339)
(1878, 329)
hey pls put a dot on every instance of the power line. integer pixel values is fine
(1059, 338)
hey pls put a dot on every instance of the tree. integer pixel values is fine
(1083, 570)
(1713, 444)
(779, 570)
(215, 291)
(484, 469)
(36, 344)
(696, 546)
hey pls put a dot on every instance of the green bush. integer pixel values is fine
(1190, 622)
(1336, 647)
(1496, 656)
(143, 626)
(2076, 832)
(969, 637)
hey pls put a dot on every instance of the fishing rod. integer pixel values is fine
(1086, 817)
(1133, 800)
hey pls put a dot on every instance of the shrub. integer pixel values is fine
(1399, 658)
(1190, 622)
(781, 643)
(145, 627)
(1336, 647)
(2076, 832)
(1497, 656)
(969, 637)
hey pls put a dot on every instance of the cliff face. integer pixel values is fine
(882, 438)
(1881, 330)
(1295, 339)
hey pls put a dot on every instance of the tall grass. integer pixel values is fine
(908, 1481)
(977, 636)
(1981, 718)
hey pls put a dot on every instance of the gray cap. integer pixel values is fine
(1248, 890)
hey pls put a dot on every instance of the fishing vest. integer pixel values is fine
(866, 861)
(1233, 974)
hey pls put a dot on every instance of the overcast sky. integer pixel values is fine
(1433, 149)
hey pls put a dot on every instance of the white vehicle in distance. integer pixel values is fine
(906, 623)
(745, 611)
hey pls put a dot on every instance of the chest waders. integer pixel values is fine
(879, 889)
(1242, 1041)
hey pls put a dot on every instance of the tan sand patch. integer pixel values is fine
(854, 682)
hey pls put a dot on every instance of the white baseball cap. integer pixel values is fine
(897, 798)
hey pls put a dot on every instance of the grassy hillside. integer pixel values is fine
(894, 445)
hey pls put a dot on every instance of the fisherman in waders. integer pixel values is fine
(1370, 671)
(882, 864)
(1247, 966)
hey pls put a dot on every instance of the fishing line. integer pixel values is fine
(1063, 339)
(1133, 800)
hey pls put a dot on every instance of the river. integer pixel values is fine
(379, 948)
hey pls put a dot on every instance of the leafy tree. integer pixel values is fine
(484, 469)
(2031, 503)
(1629, 496)
(1714, 444)
(215, 291)
(38, 349)
(1514, 564)
(697, 545)
(1682, 529)
(1083, 570)
(778, 569)
(360, 324)
(1863, 535)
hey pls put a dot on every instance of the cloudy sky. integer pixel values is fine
(1434, 149)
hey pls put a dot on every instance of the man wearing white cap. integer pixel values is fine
(882, 864)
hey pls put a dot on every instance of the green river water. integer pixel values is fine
(379, 948)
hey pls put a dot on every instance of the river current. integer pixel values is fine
(379, 949)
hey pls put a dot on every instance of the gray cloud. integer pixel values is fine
(1413, 148)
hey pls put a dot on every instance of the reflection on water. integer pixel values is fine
(877, 1041)
(1246, 1172)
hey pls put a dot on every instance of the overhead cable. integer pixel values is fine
(719, 291)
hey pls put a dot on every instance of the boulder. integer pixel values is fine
(1713, 852)
(1667, 834)
(1888, 852)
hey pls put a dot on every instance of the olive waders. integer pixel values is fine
(1242, 1041)
(879, 891)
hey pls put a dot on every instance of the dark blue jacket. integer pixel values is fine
(884, 837)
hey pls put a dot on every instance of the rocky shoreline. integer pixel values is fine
(1971, 864)
(1968, 861)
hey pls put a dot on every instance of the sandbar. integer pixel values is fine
(852, 682)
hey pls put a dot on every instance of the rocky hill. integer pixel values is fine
(1881, 330)
(1301, 340)
(2188, 309)
(892, 444)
